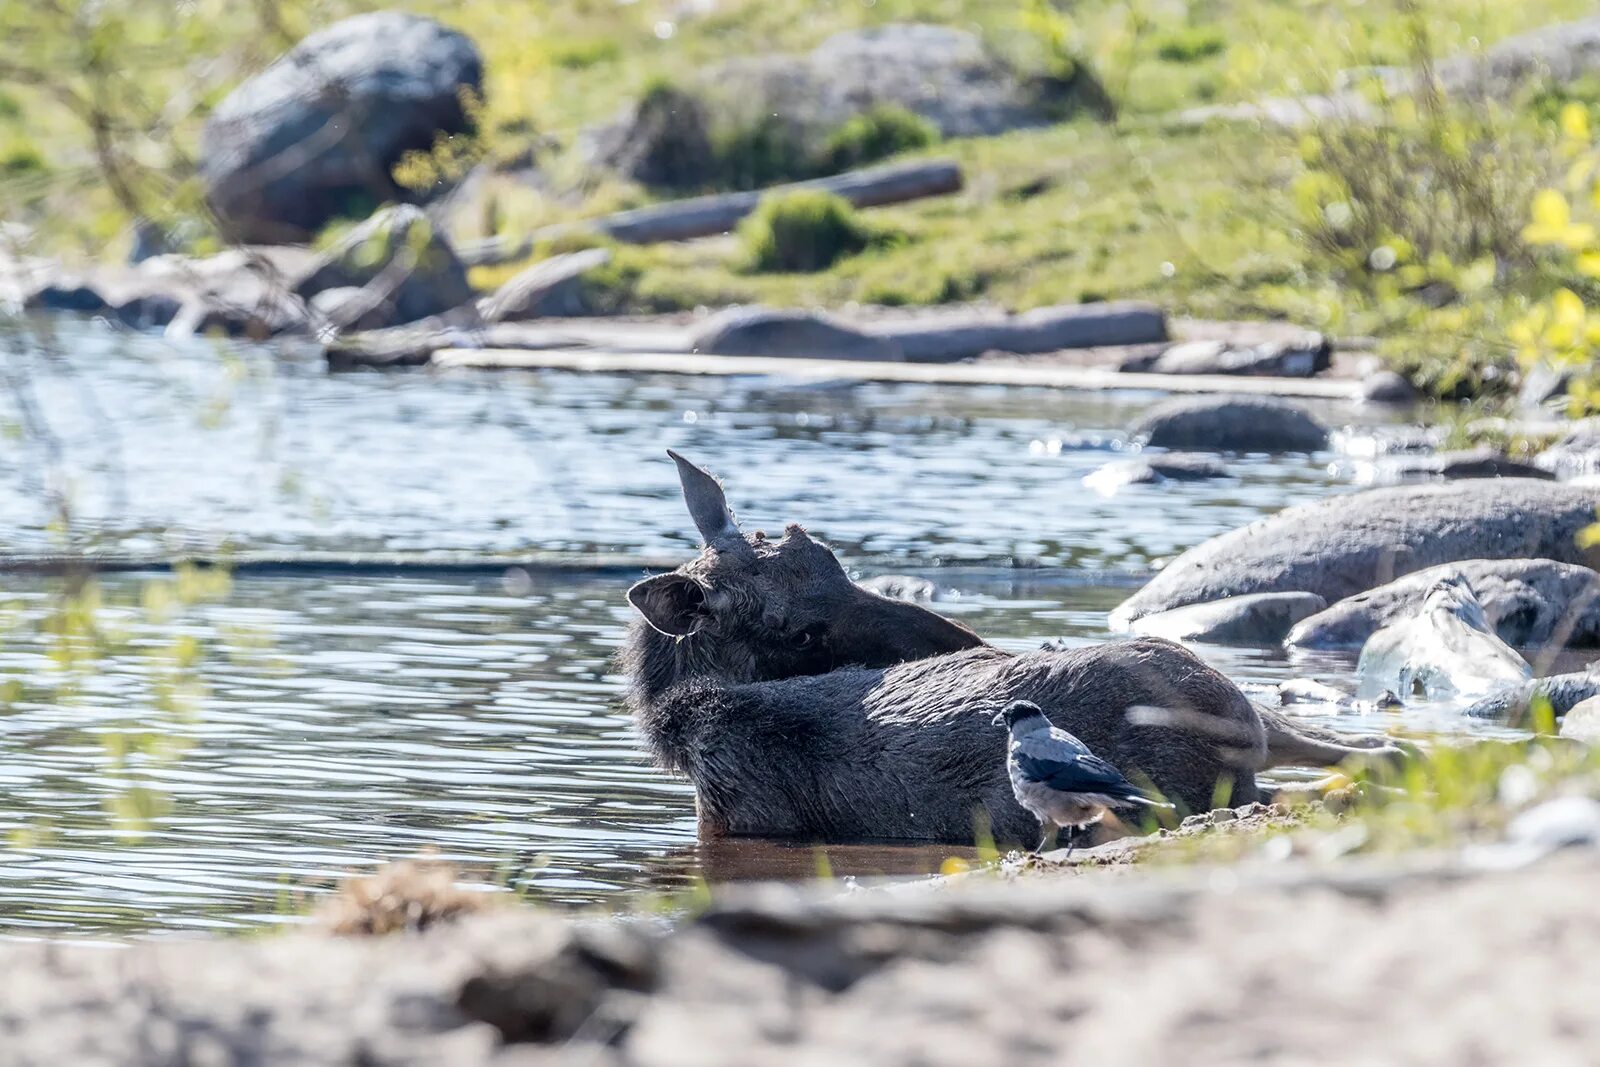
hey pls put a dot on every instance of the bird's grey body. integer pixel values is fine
(1056, 778)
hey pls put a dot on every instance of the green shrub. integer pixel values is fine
(752, 155)
(1191, 44)
(876, 134)
(580, 54)
(802, 231)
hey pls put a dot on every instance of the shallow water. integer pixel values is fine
(336, 723)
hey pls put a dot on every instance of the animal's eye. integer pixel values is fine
(802, 638)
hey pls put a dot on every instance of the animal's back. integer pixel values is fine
(909, 752)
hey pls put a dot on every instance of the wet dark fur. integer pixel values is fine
(909, 752)
(801, 705)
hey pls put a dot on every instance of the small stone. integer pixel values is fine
(1582, 723)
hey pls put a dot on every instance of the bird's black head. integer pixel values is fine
(1018, 711)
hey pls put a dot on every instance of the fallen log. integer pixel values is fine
(703, 216)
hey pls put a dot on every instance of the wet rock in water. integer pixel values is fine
(1153, 470)
(1256, 621)
(1531, 603)
(63, 292)
(763, 331)
(1467, 463)
(1348, 544)
(1294, 358)
(905, 587)
(1582, 721)
(1446, 649)
(1308, 691)
(1387, 387)
(315, 136)
(1223, 424)
(1562, 692)
(1576, 454)
(402, 259)
(550, 287)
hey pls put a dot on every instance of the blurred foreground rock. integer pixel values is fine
(1432, 964)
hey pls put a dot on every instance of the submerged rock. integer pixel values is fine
(1348, 544)
(763, 331)
(1224, 424)
(551, 287)
(1153, 470)
(1562, 692)
(1257, 620)
(1446, 649)
(315, 136)
(1531, 603)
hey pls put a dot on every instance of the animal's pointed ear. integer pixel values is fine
(707, 505)
(674, 604)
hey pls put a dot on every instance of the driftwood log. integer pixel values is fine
(703, 216)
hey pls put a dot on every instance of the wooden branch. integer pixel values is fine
(703, 216)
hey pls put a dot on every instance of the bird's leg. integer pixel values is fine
(1047, 836)
(1072, 840)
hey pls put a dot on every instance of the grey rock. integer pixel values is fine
(1562, 692)
(1544, 386)
(1299, 358)
(1154, 469)
(905, 587)
(1564, 822)
(350, 308)
(315, 135)
(1258, 620)
(1387, 387)
(1309, 691)
(662, 140)
(63, 292)
(1576, 454)
(1224, 424)
(1582, 722)
(548, 288)
(1467, 463)
(1348, 544)
(402, 259)
(763, 331)
(1531, 603)
(946, 338)
(1446, 649)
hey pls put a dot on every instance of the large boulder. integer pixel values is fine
(1231, 424)
(402, 259)
(1530, 603)
(1257, 621)
(315, 136)
(1348, 544)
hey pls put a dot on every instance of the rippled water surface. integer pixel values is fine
(232, 754)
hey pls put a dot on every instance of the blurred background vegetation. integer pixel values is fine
(1410, 228)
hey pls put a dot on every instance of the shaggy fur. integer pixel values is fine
(801, 705)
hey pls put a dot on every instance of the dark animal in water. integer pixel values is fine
(1057, 779)
(801, 705)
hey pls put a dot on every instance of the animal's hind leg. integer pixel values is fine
(1047, 836)
(1291, 743)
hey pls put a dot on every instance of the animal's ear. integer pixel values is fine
(674, 604)
(707, 505)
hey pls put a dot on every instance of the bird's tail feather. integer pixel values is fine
(1139, 798)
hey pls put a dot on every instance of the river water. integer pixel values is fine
(221, 753)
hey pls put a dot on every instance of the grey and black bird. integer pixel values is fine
(1057, 779)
